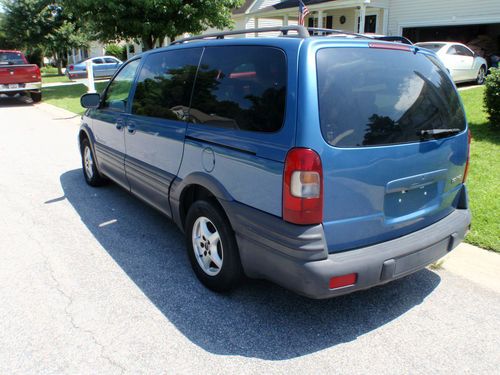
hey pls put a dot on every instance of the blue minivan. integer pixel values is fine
(324, 163)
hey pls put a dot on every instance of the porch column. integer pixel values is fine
(285, 20)
(320, 19)
(385, 21)
(362, 16)
(73, 55)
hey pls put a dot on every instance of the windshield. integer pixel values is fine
(370, 97)
(434, 47)
(12, 58)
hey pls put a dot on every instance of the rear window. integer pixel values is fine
(241, 88)
(371, 97)
(12, 58)
(435, 47)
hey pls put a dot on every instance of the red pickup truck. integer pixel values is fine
(19, 77)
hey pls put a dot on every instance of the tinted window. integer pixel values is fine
(432, 46)
(119, 89)
(241, 88)
(11, 58)
(110, 61)
(165, 84)
(97, 61)
(389, 100)
(462, 51)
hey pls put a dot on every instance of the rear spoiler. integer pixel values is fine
(398, 39)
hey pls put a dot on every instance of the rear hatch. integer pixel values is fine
(395, 142)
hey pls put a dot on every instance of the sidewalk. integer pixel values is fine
(475, 264)
(75, 82)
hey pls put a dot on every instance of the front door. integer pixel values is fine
(154, 137)
(109, 122)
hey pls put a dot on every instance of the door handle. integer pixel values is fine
(119, 124)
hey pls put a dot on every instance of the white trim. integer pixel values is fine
(446, 22)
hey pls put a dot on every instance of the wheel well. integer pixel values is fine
(82, 136)
(195, 193)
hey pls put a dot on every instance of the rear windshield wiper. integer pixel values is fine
(430, 132)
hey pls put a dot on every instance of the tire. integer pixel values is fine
(36, 97)
(90, 171)
(212, 248)
(481, 75)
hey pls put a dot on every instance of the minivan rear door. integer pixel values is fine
(393, 142)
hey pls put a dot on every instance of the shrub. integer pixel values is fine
(117, 51)
(492, 97)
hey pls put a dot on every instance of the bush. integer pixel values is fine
(492, 97)
(117, 51)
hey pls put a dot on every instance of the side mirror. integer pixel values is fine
(90, 100)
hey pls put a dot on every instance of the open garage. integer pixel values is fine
(484, 39)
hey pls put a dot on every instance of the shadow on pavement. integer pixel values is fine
(15, 101)
(257, 320)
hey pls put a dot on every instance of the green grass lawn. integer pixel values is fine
(484, 174)
(68, 97)
(50, 78)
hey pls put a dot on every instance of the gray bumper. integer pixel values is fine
(32, 86)
(296, 257)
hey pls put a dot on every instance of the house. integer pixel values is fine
(419, 20)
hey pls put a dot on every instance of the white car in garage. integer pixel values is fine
(463, 64)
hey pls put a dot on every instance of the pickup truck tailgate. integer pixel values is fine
(11, 74)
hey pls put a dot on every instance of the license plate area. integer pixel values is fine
(14, 86)
(422, 258)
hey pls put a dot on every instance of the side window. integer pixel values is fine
(109, 60)
(452, 51)
(119, 89)
(462, 51)
(241, 87)
(165, 84)
(97, 61)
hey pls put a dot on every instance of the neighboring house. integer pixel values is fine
(476, 23)
(419, 20)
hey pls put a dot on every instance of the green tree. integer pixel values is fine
(150, 21)
(34, 25)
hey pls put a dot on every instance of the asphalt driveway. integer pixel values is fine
(94, 281)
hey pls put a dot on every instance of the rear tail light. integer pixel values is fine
(303, 187)
(71, 67)
(466, 172)
(344, 280)
(38, 74)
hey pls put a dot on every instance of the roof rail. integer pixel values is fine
(301, 33)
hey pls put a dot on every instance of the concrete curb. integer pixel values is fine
(475, 264)
(59, 113)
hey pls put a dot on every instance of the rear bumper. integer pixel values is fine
(296, 257)
(30, 86)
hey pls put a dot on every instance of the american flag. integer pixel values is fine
(303, 12)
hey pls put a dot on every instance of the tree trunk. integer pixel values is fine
(148, 42)
(58, 62)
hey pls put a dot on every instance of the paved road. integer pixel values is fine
(94, 281)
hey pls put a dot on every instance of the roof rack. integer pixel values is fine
(302, 32)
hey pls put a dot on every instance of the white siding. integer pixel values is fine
(406, 13)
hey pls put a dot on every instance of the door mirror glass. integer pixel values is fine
(90, 100)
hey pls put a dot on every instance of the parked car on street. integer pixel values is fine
(324, 164)
(104, 67)
(463, 64)
(17, 76)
